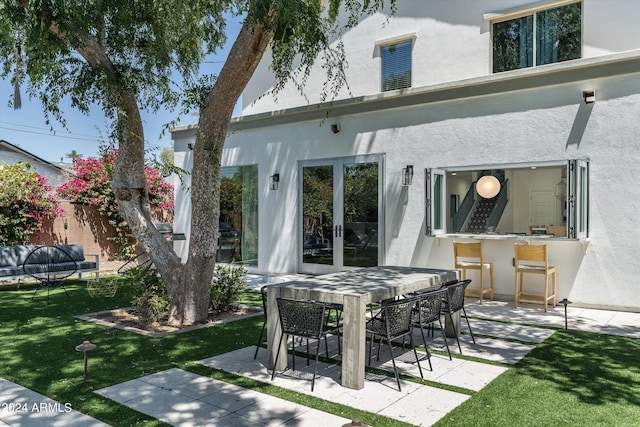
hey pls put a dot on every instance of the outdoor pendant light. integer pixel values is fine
(488, 186)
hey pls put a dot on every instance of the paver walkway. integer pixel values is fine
(23, 407)
(182, 398)
(165, 395)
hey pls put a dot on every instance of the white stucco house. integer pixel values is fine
(545, 96)
(11, 154)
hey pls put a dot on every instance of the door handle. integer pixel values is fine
(338, 229)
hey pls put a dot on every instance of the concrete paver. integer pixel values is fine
(183, 398)
(23, 407)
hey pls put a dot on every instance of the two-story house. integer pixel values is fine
(542, 96)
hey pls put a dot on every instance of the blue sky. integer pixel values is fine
(27, 127)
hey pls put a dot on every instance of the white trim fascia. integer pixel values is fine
(528, 9)
(522, 165)
(17, 149)
(396, 39)
(584, 69)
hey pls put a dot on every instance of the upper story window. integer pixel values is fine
(396, 65)
(541, 37)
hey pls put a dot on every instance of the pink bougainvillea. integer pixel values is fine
(25, 202)
(92, 186)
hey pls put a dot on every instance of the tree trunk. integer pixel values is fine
(188, 285)
(215, 115)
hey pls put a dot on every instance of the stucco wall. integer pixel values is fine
(549, 123)
(452, 42)
(457, 115)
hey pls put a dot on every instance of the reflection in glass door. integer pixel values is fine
(341, 205)
(360, 214)
(317, 214)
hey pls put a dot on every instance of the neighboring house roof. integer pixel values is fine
(53, 173)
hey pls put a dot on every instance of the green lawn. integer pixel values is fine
(574, 378)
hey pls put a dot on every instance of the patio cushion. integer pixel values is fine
(86, 265)
(7, 256)
(9, 271)
(22, 252)
(75, 251)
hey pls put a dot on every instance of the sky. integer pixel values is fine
(27, 127)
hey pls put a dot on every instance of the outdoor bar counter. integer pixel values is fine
(565, 254)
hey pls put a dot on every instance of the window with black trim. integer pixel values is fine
(396, 65)
(542, 37)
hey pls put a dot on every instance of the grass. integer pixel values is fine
(573, 378)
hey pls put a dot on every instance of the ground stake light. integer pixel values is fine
(565, 302)
(86, 347)
(354, 423)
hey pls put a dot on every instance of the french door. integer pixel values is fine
(340, 214)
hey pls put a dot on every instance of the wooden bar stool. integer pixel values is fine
(468, 256)
(534, 259)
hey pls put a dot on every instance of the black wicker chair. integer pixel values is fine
(304, 319)
(142, 262)
(50, 266)
(454, 302)
(427, 312)
(263, 292)
(391, 322)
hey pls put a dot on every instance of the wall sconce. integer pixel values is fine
(275, 181)
(190, 146)
(488, 186)
(335, 128)
(589, 96)
(407, 175)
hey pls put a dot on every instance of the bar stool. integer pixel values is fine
(468, 256)
(533, 259)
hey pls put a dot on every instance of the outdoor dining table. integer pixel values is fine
(354, 289)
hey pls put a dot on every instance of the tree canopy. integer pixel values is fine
(124, 56)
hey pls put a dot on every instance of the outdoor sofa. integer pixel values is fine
(12, 259)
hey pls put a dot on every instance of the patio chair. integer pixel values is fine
(428, 310)
(304, 319)
(391, 322)
(142, 261)
(468, 256)
(534, 259)
(50, 266)
(263, 292)
(453, 303)
(334, 321)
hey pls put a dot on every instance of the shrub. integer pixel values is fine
(150, 295)
(25, 201)
(92, 186)
(227, 286)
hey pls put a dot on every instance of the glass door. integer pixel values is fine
(341, 214)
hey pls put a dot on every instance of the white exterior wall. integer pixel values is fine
(51, 173)
(533, 115)
(453, 42)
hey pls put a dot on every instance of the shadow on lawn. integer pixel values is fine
(596, 368)
(38, 340)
